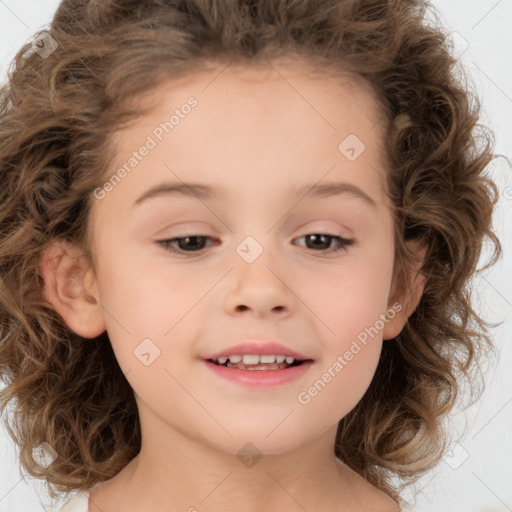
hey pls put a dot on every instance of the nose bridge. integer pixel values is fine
(257, 255)
(261, 239)
(258, 283)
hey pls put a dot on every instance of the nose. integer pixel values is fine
(258, 288)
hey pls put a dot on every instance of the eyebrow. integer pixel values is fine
(206, 192)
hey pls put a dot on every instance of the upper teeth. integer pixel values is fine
(255, 359)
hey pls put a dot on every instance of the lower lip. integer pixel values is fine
(260, 378)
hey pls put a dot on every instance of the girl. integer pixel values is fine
(237, 243)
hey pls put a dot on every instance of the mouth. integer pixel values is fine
(253, 362)
(259, 366)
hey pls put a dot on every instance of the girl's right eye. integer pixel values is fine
(196, 243)
(189, 242)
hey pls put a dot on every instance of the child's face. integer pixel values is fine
(261, 140)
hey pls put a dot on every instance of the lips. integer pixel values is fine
(260, 379)
(255, 348)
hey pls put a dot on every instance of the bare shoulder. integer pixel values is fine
(379, 501)
(370, 498)
(109, 495)
(105, 496)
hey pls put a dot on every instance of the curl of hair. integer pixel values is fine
(57, 117)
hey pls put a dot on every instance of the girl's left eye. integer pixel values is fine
(195, 243)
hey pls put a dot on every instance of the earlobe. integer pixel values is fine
(407, 299)
(69, 286)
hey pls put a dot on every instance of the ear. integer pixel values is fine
(69, 285)
(407, 297)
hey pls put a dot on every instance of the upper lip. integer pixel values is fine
(262, 348)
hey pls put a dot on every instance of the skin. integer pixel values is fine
(255, 136)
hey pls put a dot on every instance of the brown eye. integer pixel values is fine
(317, 242)
(322, 242)
(193, 243)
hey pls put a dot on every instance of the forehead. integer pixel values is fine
(276, 93)
(274, 123)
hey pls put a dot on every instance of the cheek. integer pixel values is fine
(350, 297)
(341, 384)
(142, 295)
(350, 302)
(141, 302)
(349, 355)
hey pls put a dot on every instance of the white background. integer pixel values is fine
(477, 476)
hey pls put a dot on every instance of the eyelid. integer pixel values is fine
(343, 243)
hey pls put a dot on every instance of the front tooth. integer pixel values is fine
(235, 358)
(251, 359)
(280, 359)
(268, 359)
(289, 360)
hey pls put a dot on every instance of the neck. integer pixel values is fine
(174, 472)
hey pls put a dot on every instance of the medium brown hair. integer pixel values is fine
(57, 117)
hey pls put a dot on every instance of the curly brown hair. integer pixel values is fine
(57, 117)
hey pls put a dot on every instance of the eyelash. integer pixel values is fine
(344, 242)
